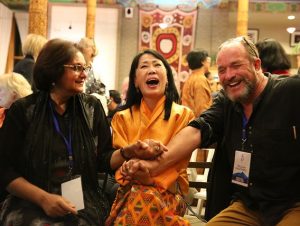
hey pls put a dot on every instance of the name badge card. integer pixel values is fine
(72, 191)
(241, 168)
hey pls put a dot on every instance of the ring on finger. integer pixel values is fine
(157, 148)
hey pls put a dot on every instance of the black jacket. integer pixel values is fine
(273, 139)
(25, 68)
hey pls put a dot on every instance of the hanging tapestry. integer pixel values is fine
(171, 33)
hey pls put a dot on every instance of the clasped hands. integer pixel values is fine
(137, 169)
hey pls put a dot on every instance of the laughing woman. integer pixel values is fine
(55, 137)
(151, 111)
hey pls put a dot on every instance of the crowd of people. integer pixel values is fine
(55, 134)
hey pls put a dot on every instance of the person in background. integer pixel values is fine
(111, 185)
(273, 57)
(151, 111)
(213, 83)
(197, 92)
(54, 138)
(255, 120)
(98, 90)
(209, 75)
(124, 89)
(13, 86)
(90, 51)
(93, 83)
(30, 48)
(113, 103)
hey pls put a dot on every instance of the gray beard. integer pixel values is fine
(244, 97)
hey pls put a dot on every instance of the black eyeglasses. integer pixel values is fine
(252, 48)
(79, 68)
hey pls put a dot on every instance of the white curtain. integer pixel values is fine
(68, 22)
(22, 19)
(6, 16)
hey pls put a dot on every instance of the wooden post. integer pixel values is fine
(242, 17)
(38, 17)
(11, 48)
(90, 18)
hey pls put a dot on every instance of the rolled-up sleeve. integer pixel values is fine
(211, 121)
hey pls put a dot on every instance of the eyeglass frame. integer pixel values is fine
(75, 67)
(254, 51)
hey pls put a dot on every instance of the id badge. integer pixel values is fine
(72, 191)
(241, 168)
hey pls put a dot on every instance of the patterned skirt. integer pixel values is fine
(142, 205)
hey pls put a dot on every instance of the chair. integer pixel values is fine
(199, 181)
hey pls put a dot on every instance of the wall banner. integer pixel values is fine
(171, 33)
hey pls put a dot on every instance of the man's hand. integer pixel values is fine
(57, 206)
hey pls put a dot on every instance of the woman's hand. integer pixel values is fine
(57, 206)
(142, 176)
(52, 204)
(135, 170)
(129, 168)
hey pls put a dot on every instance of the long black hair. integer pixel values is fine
(134, 96)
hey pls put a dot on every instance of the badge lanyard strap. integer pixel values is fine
(244, 135)
(68, 142)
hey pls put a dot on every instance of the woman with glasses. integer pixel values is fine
(53, 145)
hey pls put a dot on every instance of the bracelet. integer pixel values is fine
(123, 154)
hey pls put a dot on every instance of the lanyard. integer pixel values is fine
(68, 142)
(244, 135)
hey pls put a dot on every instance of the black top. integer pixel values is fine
(25, 68)
(273, 139)
(111, 113)
(31, 148)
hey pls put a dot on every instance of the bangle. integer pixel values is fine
(123, 154)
